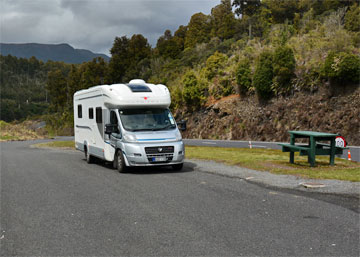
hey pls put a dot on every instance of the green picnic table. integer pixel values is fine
(314, 147)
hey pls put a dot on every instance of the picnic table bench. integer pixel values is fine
(314, 147)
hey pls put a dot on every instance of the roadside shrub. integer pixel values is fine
(263, 76)
(61, 124)
(176, 97)
(243, 76)
(193, 92)
(214, 64)
(342, 67)
(220, 87)
(226, 86)
(283, 68)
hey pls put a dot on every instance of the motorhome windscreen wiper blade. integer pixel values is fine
(145, 129)
(166, 127)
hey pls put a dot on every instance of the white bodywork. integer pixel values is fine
(90, 132)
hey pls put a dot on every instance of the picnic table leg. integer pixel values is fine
(292, 142)
(332, 153)
(311, 157)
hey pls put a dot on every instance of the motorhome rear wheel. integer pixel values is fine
(89, 158)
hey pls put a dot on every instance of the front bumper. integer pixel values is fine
(136, 155)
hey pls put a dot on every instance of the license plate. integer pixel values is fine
(159, 159)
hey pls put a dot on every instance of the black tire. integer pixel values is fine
(88, 156)
(120, 162)
(177, 167)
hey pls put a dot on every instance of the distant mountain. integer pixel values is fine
(61, 52)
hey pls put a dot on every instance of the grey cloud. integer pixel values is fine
(93, 24)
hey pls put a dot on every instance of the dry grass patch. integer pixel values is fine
(20, 131)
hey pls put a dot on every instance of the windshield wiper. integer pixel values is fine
(154, 129)
(145, 129)
(166, 127)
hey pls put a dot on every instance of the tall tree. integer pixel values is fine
(169, 46)
(198, 30)
(282, 9)
(139, 54)
(58, 90)
(128, 58)
(248, 8)
(119, 59)
(223, 20)
(179, 36)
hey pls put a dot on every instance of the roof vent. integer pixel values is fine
(135, 88)
(138, 86)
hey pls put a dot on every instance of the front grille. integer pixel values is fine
(159, 150)
(159, 154)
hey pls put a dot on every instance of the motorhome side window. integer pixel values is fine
(79, 111)
(113, 118)
(91, 113)
(98, 115)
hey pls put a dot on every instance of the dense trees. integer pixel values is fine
(270, 47)
(22, 87)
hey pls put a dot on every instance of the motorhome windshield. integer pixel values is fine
(146, 119)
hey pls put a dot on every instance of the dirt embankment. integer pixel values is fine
(239, 118)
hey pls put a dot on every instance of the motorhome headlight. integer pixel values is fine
(130, 138)
(178, 136)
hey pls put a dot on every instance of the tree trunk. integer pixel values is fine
(250, 29)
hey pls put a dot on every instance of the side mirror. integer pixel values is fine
(111, 128)
(182, 125)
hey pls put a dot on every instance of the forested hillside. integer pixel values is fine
(49, 52)
(283, 65)
(22, 87)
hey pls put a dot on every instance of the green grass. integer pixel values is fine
(9, 138)
(57, 144)
(273, 161)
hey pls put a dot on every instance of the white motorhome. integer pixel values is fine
(127, 124)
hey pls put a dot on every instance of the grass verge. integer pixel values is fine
(57, 144)
(273, 161)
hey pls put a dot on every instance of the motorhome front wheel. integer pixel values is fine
(120, 162)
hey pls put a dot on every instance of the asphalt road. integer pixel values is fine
(55, 204)
(354, 150)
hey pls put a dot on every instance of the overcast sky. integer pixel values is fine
(93, 24)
